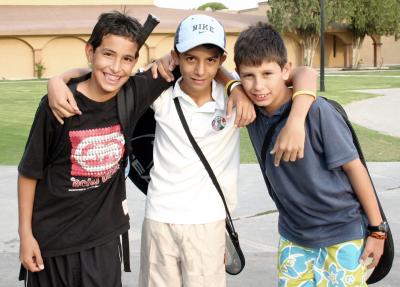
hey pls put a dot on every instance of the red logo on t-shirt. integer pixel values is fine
(96, 152)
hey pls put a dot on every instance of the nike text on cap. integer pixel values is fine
(197, 30)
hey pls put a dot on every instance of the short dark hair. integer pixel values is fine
(258, 43)
(115, 23)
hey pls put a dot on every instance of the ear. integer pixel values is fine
(175, 57)
(286, 70)
(89, 53)
(223, 58)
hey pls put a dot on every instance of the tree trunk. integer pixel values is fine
(310, 45)
(357, 44)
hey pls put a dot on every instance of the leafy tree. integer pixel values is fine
(373, 18)
(397, 30)
(363, 17)
(300, 17)
(213, 5)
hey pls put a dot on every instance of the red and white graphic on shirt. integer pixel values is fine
(96, 152)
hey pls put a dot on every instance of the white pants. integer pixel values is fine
(189, 255)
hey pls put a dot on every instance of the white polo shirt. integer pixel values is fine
(180, 190)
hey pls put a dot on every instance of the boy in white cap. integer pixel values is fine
(183, 233)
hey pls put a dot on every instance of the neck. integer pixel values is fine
(92, 91)
(200, 97)
(284, 96)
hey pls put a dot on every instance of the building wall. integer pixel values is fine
(230, 45)
(367, 52)
(62, 53)
(334, 52)
(390, 50)
(163, 45)
(17, 59)
(58, 54)
(293, 50)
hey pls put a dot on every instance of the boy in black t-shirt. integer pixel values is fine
(72, 200)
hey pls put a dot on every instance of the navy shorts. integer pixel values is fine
(95, 267)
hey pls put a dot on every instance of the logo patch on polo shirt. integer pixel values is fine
(218, 123)
(96, 152)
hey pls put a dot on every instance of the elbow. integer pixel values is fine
(311, 72)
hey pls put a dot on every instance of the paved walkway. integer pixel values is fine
(256, 221)
(379, 113)
(257, 230)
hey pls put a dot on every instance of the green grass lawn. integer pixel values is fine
(19, 100)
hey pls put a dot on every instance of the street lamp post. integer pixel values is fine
(322, 49)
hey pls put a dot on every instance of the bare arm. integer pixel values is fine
(289, 144)
(61, 100)
(30, 255)
(362, 187)
(245, 112)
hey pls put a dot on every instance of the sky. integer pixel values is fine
(189, 4)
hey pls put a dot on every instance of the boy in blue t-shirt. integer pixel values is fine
(325, 200)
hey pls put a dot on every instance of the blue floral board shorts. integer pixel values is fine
(333, 266)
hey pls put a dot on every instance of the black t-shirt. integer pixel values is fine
(80, 199)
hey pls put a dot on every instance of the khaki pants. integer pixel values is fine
(189, 255)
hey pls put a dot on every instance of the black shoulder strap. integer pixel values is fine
(125, 107)
(266, 144)
(338, 107)
(270, 133)
(229, 223)
(386, 261)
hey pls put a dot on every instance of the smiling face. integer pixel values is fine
(198, 68)
(265, 84)
(112, 64)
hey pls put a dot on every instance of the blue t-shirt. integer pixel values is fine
(316, 203)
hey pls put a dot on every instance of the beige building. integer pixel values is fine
(54, 36)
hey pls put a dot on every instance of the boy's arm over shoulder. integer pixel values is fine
(245, 112)
(289, 145)
(61, 99)
(362, 186)
(63, 104)
(147, 89)
(30, 255)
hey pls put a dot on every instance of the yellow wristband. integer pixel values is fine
(228, 85)
(305, 92)
(232, 86)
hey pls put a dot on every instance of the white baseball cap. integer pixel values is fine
(197, 30)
